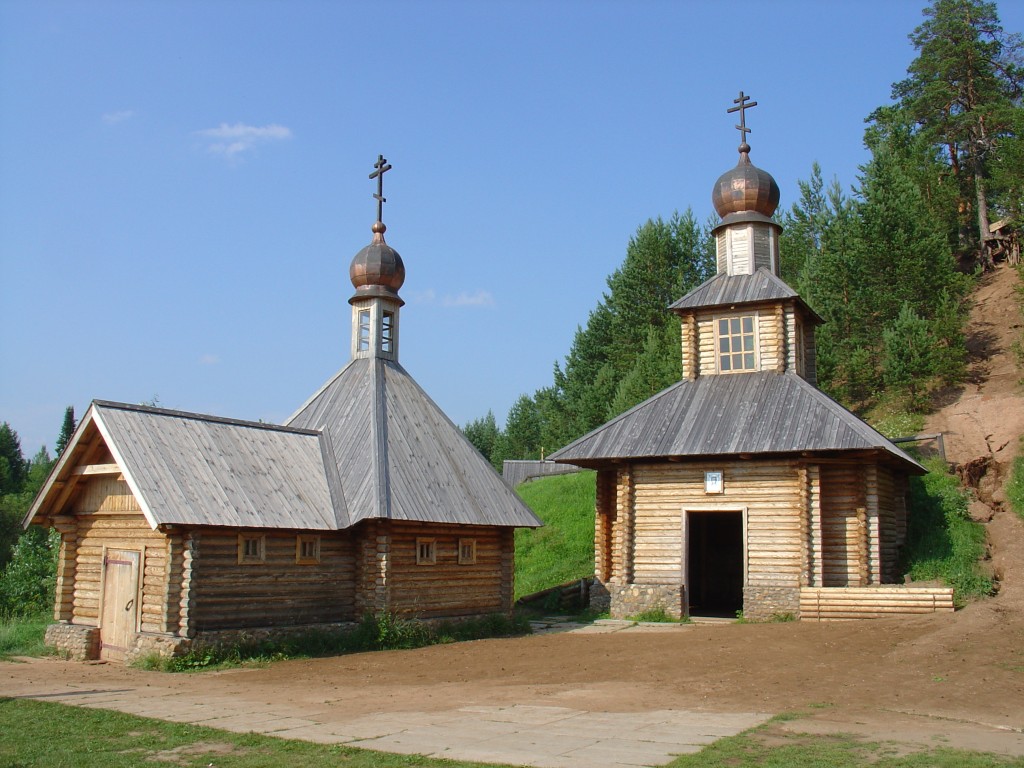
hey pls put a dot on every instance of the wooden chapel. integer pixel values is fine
(744, 488)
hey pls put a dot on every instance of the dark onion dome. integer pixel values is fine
(377, 270)
(745, 189)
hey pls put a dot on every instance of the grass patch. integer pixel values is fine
(373, 633)
(563, 550)
(23, 635)
(893, 420)
(769, 746)
(943, 543)
(658, 615)
(1015, 488)
(48, 735)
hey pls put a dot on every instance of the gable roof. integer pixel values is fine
(724, 289)
(748, 413)
(400, 458)
(193, 469)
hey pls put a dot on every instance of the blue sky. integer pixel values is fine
(183, 184)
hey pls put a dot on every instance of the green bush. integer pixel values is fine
(943, 543)
(27, 582)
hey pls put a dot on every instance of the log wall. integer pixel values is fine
(770, 493)
(447, 588)
(844, 527)
(873, 602)
(227, 594)
(107, 515)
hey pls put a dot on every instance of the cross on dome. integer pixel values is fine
(742, 107)
(381, 167)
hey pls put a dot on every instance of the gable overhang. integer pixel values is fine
(69, 471)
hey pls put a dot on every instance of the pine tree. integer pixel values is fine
(67, 430)
(483, 434)
(963, 91)
(13, 467)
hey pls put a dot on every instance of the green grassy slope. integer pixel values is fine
(563, 549)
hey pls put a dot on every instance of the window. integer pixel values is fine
(252, 548)
(467, 551)
(736, 347)
(364, 330)
(387, 332)
(426, 551)
(307, 550)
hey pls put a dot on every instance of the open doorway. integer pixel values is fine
(714, 560)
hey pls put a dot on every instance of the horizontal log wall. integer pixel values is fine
(769, 491)
(226, 594)
(107, 515)
(844, 526)
(873, 602)
(447, 588)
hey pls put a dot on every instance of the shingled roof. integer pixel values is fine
(399, 457)
(729, 290)
(749, 413)
(194, 469)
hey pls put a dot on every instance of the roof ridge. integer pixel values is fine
(312, 398)
(194, 416)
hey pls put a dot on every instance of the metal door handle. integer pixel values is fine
(129, 604)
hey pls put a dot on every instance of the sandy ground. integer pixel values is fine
(952, 680)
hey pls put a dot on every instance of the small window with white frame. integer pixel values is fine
(426, 551)
(252, 548)
(387, 332)
(737, 343)
(467, 551)
(364, 330)
(307, 549)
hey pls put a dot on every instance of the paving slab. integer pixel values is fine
(519, 733)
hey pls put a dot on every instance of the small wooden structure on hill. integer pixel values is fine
(180, 527)
(743, 487)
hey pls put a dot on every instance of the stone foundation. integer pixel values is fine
(600, 598)
(256, 635)
(762, 603)
(74, 641)
(628, 600)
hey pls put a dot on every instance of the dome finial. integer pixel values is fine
(742, 107)
(377, 270)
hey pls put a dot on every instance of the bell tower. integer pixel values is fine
(377, 272)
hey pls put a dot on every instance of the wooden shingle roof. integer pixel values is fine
(399, 457)
(193, 469)
(728, 290)
(743, 413)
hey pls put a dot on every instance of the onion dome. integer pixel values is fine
(377, 270)
(745, 189)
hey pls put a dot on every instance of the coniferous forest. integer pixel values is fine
(888, 264)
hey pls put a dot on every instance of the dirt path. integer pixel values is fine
(937, 680)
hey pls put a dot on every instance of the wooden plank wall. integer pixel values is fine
(447, 588)
(108, 515)
(770, 492)
(844, 526)
(226, 594)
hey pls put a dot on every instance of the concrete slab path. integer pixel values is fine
(519, 733)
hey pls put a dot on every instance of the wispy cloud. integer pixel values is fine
(233, 140)
(477, 299)
(209, 359)
(113, 118)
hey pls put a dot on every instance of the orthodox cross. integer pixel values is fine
(741, 107)
(381, 167)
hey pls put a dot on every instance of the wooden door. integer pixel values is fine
(120, 603)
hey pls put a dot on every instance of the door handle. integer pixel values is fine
(129, 604)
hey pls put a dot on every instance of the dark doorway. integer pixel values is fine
(715, 563)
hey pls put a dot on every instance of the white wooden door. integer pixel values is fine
(120, 608)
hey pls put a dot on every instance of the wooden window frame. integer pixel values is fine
(426, 551)
(302, 558)
(387, 331)
(467, 551)
(244, 557)
(753, 335)
(364, 330)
